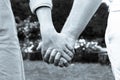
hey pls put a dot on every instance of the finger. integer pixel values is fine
(66, 56)
(47, 55)
(71, 54)
(52, 56)
(63, 62)
(57, 58)
(39, 46)
(70, 48)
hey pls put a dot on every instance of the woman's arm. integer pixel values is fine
(46, 24)
(81, 13)
(42, 8)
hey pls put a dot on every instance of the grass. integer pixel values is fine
(38, 70)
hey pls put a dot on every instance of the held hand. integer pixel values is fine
(62, 47)
(58, 43)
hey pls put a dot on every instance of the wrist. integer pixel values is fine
(69, 30)
(70, 34)
(48, 34)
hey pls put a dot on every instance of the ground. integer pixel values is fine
(38, 70)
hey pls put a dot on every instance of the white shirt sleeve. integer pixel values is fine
(34, 4)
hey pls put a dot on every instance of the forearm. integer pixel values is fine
(42, 8)
(81, 13)
(45, 19)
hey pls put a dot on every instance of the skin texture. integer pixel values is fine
(51, 40)
(62, 44)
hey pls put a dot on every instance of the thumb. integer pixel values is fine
(39, 46)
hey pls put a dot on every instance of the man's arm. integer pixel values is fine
(81, 13)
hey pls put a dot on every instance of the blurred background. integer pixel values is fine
(90, 62)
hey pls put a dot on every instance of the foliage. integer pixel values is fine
(90, 51)
(28, 34)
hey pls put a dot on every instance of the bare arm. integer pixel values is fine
(82, 11)
(46, 24)
(42, 8)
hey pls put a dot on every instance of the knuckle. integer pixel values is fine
(52, 56)
(69, 59)
(58, 54)
(54, 50)
(56, 60)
